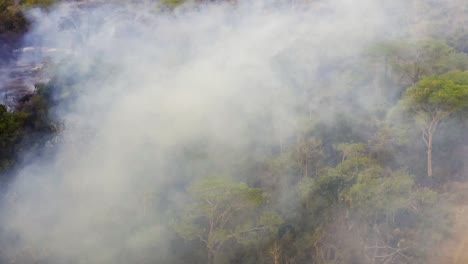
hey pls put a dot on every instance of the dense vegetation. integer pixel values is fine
(366, 187)
(28, 126)
(12, 18)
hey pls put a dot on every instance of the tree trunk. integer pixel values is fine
(211, 257)
(275, 252)
(427, 136)
(429, 154)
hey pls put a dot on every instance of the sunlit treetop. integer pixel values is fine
(439, 94)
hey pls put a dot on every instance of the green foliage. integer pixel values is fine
(222, 210)
(335, 185)
(37, 108)
(432, 100)
(11, 124)
(221, 194)
(282, 164)
(358, 193)
(438, 94)
(26, 125)
(380, 192)
(413, 59)
(309, 156)
(40, 3)
(11, 18)
(172, 3)
(386, 142)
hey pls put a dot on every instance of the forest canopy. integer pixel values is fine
(229, 132)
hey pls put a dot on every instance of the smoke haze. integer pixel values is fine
(142, 89)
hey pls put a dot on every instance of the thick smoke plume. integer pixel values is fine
(139, 86)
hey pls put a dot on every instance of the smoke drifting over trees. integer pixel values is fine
(237, 132)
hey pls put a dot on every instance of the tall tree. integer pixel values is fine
(221, 211)
(412, 59)
(434, 99)
(308, 155)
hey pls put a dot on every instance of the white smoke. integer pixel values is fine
(139, 85)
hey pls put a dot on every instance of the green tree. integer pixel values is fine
(412, 59)
(36, 106)
(11, 124)
(309, 156)
(364, 203)
(222, 210)
(11, 17)
(434, 99)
